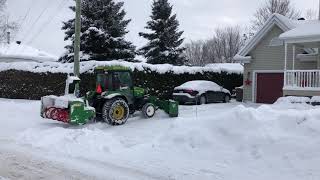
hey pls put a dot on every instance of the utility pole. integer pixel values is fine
(76, 67)
(319, 11)
(8, 30)
(8, 37)
(77, 39)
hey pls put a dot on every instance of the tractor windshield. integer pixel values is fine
(121, 80)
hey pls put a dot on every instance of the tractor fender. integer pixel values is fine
(111, 96)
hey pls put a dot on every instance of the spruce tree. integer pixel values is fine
(164, 46)
(103, 31)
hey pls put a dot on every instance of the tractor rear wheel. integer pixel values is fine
(115, 111)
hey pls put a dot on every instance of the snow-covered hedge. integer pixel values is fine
(55, 67)
(34, 80)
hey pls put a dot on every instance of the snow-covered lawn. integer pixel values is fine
(218, 141)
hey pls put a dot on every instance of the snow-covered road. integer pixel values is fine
(21, 166)
(218, 141)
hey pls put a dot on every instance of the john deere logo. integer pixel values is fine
(77, 105)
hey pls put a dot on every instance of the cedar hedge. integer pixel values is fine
(15, 84)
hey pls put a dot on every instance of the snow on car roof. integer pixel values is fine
(202, 86)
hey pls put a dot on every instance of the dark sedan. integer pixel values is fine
(201, 92)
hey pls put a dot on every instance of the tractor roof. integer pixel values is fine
(112, 68)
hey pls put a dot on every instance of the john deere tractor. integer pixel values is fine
(113, 100)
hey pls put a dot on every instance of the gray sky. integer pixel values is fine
(198, 18)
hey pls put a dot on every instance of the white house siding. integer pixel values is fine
(271, 58)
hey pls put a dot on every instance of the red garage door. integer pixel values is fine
(269, 87)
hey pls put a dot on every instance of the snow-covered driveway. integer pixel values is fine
(218, 141)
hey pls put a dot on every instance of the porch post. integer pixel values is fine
(285, 63)
(293, 57)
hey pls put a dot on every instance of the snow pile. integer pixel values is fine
(293, 102)
(315, 99)
(56, 67)
(292, 99)
(25, 53)
(202, 87)
(74, 142)
(242, 127)
(224, 142)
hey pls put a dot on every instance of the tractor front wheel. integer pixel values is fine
(115, 111)
(148, 110)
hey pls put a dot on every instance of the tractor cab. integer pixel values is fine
(113, 79)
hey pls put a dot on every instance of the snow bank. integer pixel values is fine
(56, 67)
(239, 125)
(315, 99)
(223, 142)
(74, 142)
(292, 99)
(25, 52)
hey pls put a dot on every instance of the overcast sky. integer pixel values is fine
(41, 19)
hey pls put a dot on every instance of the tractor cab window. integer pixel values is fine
(102, 80)
(121, 80)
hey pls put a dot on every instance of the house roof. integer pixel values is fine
(281, 21)
(309, 29)
(24, 53)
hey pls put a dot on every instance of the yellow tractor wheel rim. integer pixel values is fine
(118, 112)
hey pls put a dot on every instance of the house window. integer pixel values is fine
(276, 42)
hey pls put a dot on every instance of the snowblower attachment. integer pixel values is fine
(67, 108)
(169, 106)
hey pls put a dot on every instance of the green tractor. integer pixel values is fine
(113, 100)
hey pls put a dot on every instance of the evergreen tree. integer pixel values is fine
(164, 46)
(103, 30)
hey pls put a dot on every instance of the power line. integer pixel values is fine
(48, 21)
(27, 13)
(37, 19)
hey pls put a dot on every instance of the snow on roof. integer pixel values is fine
(239, 58)
(25, 53)
(290, 23)
(89, 66)
(308, 29)
(236, 67)
(281, 21)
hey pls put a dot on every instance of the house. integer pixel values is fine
(23, 53)
(282, 59)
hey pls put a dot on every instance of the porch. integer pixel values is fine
(301, 80)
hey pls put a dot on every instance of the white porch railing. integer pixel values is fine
(302, 80)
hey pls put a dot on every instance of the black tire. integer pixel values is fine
(202, 100)
(115, 111)
(148, 110)
(226, 98)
